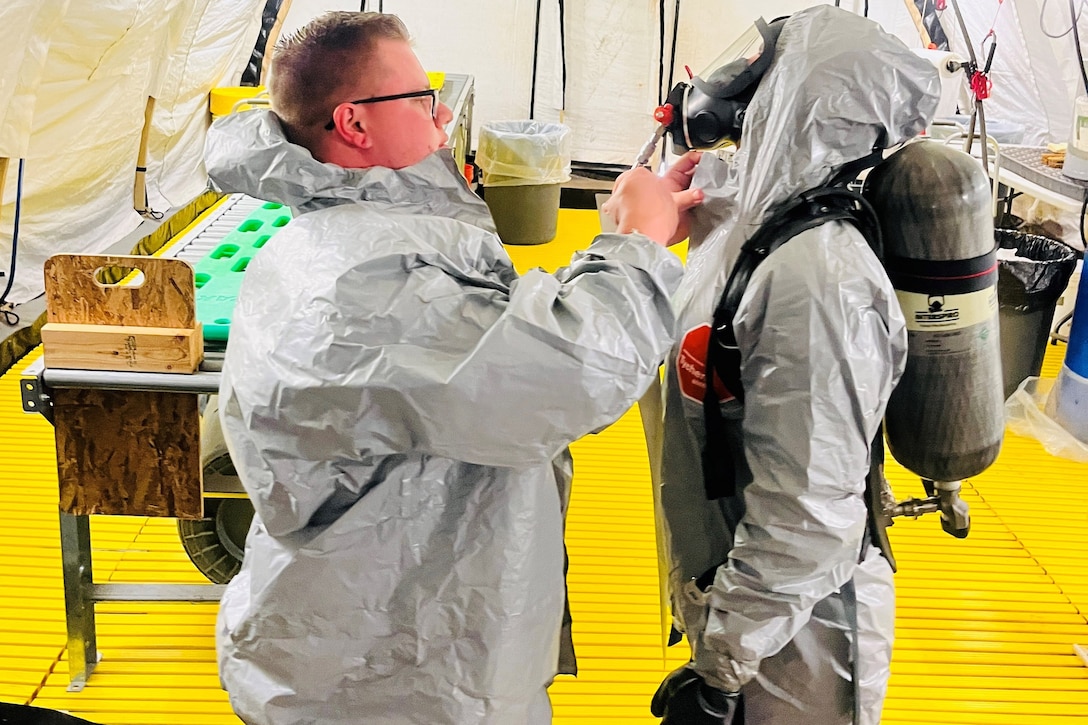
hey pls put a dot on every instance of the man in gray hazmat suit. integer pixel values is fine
(398, 403)
(772, 583)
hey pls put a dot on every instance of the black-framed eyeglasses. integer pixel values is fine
(432, 92)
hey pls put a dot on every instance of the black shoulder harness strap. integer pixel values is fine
(807, 211)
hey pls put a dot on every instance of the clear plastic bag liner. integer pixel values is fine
(1029, 411)
(521, 153)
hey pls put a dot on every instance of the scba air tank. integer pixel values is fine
(945, 420)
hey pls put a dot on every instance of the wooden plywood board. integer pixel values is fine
(109, 312)
(131, 452)
(128, 453)
(76, 295)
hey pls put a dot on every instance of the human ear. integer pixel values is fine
(350, 125)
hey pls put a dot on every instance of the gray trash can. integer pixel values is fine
(1032, 273)
(523, 165)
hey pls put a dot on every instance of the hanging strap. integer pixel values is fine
(809, 210)
(875, 487)
(850, 605)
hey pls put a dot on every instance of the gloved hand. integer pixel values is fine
(684, 698)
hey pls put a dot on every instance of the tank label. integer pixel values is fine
(947, 342)
(931, 313)
(948, 324)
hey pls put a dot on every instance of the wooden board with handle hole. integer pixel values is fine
(126, 452)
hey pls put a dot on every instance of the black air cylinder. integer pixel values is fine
(945, 420)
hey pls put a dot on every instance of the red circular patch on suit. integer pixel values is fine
(691, 367)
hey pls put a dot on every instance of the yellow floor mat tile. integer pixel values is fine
(985, 626)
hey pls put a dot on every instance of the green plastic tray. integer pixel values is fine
(219, 272)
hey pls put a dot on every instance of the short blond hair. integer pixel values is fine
(321, 65)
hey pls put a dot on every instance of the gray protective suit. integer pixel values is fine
(398, 403)
(822, 343)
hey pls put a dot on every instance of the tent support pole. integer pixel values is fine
(916, 16)
(273, 37)
(139, 186)
(3, 178)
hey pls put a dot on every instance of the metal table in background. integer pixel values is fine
(459, 93)
(1021, 168)
(81, 593)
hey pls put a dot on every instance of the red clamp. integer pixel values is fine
(941, 5)
(981, 85)
(663, 114)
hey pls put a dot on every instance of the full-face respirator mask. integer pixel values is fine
(708, 110)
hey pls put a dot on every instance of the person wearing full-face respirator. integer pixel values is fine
(788, 609)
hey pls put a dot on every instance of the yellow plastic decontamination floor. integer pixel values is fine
(985, 626)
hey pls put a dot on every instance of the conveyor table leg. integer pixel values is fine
(75, 547)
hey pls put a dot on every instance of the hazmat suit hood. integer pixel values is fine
(276, 170)
(838, 88)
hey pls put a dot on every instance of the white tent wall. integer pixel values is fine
(490, 40)
(102, 62)
(1035, 79)
(81, 155)
(1052, 64)
(612, 56)
(74, 90)
(612, 77)
(21, 67)
(213, 47)
(1034, 76)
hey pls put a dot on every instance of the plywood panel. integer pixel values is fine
(128, 453)
(75, 295)
(131, 452)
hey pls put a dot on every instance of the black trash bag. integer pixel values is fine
(11, 714)
(1038, 276)
(252, 74)
(1028, 288)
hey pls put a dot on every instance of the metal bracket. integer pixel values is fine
(36, 397)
